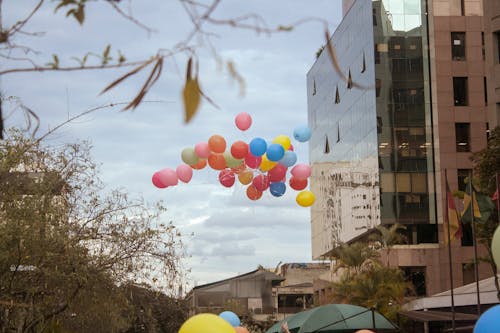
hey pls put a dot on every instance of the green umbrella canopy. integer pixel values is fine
(336, 318)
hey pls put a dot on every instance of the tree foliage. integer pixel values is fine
(486, 169)
(365, 281)
(66, 247)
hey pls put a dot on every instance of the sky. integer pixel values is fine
(231, 234)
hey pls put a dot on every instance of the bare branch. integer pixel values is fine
(131, 18)
(69, 68)
(19, 24)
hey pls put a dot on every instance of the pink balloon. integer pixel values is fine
(243, 121)
(184, 172)
(202, 150)
(277, 173)
(261, 182)
(168, 177)
(253, 161)
(226, 177)
(156, 180)
(301, 171)
(291, 148)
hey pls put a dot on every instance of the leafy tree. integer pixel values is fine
(65, 247)
(386, 237)
(486, 168)
(353, 258)
(379, 287)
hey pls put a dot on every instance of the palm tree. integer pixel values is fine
(378, 287)
(353, 257)
(387, 237)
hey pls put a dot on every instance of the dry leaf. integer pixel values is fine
(191, 97)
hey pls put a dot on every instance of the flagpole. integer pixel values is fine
(449, 256)
(474, 243)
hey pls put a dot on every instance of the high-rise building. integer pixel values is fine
(402, 101)
(492, 55)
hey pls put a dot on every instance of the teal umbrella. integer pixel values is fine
(336, 318)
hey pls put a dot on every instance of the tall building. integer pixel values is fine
(492, 54)
(403, 102)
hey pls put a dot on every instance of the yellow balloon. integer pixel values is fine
(495, 246)
(305, 198)
(283, 140)
(245, 177)
(206, 323)
(266, 165)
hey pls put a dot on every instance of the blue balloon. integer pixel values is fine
(258, 146)
(277, 189)
(231, 318)
(302, 133)
(489, 322)
(289, 159)
(275, 152)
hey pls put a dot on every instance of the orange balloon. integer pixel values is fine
(364, 331)
(216, 161)
(241, 329)
(200, 165)
(245, 177)
(217, 144)
(253, 193)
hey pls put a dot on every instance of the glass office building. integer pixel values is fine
(370, 113)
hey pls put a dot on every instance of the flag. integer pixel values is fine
(476, 202)
(452, 220)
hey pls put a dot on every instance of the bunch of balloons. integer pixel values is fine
(259, 165)
(225, 322)
(495, 246)
(489, 322)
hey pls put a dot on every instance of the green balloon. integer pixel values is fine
(231, 162)
(189, 156)
(495, 246)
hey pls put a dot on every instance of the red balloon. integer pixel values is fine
(253, 161)
(239, 150)
(157, 182)
(261, 182)
(226, 178)
(277, 173)
(253, 193)
(298, 184)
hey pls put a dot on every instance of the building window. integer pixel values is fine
(378, 85)
(485, 85)
(338, 132)
(466, 239)
(497, 41)
(314, 87)
(374, 16)
(487, 131)
(482, 46)
(462, 136)
(458, 45)
(460, 87)
(462, 176)
(327, 145)
(363, 68)
(462, 7)
(468, 273)
(416, 276)
(337, 96)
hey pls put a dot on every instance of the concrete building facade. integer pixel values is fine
(403, 101)
(492, 55)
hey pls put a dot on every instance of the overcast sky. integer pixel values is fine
(232, 234)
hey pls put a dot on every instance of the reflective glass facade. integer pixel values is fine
(371, 148)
